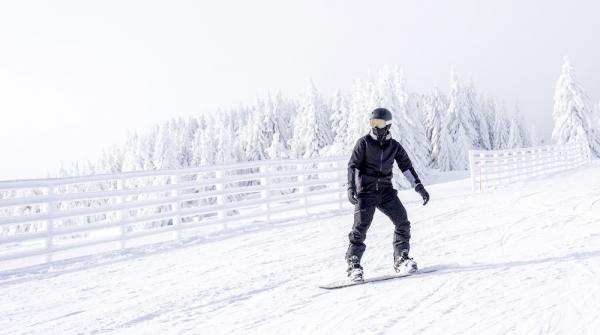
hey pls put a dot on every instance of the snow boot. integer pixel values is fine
(405, 264)
(355, 271)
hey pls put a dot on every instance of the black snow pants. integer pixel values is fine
(386, 200)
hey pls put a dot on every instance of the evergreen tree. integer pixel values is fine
(339, 118)
(111, 161)
(572, 123)
(458, 125)
(164, 155)
(473, 117)
(148, 147)
(133, 157)
(312, 130)
(409, 130)
(359, 111)
(501, 128)
(444, 154)
(488, 116)
(483, 124)
(225, 139)
(255, 139)
(516, 136)
(277, 150)
(435, 107)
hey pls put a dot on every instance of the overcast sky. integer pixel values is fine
(76, 76)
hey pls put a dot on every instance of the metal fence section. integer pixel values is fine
(498, 168)
(50, 219)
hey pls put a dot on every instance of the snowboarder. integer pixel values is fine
(370, 187)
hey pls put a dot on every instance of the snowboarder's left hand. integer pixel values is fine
(352, 196)
(423, 192)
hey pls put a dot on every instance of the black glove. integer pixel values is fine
(352, 196)
(421, 190)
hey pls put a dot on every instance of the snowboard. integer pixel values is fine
(347, 283)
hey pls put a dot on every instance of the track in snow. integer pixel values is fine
(523, 260)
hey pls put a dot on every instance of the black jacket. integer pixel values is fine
(370, 167)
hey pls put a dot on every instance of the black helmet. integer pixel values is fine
(381, 113)
(380, 122)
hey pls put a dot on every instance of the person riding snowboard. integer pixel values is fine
(370, 187)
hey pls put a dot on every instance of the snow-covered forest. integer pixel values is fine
(437, 128)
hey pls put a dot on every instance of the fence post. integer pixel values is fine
(548, 160)
(496, 169)
(481, 175)
(265, 193)
(472, 170)
(558, 158)
(120, 213)
(302, 186)
(220, 186)
(175, 206)
(521, 166)
(50, 209)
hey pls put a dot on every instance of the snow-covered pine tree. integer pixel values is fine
(534, 138)
(571, 114)
(359, 111)
(204, 144)
(186, 137)
(286, 110)
(164, 155)
(488, 112)
(277, 150)
(276, 119)
(111, 161)
(177, 129)
(225, 139)
(435, 107)
(444, 154)
(516, 136)
(477, 130)
(409, 130)
(312, 130)
(339, 118)
(501, 128)
(458, 125)
(133, 157)
(147, 147)
(254, 139)
(482, 117)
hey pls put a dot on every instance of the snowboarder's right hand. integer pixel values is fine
(352, 196)
(424, 194)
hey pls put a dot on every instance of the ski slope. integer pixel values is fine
(521, 260)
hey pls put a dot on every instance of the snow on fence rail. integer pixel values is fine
(50, 219)
(493, 169)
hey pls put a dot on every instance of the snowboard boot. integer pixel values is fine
(405, 264)
(355, 271)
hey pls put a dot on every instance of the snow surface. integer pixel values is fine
(521, 260)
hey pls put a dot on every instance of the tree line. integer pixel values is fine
(437, 129)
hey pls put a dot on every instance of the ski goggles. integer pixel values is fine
(378, 123)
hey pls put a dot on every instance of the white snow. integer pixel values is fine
(522, 260)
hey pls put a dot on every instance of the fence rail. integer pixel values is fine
(493, 169)
(43, 219)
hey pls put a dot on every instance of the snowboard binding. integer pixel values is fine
(355, 271)
(405, 264)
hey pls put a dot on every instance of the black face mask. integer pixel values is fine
(381, 133)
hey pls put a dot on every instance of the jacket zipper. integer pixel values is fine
(380, 167)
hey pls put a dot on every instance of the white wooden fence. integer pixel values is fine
(50, 219)
(497, 168)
